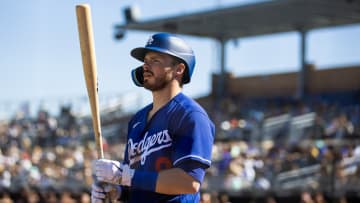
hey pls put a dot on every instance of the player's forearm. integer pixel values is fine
(176, 181)
(170, 181)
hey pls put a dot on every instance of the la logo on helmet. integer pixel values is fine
(150, 40)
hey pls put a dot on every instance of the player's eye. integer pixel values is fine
(152, 62)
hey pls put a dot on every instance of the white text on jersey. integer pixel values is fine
(148, 145)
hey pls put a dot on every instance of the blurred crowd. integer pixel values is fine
(310, 148)
(47, 158)
(43, 155)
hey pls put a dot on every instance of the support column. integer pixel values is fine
(220, 89)
(302, 75)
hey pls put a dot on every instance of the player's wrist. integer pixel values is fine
(127, 175)
(144, 180)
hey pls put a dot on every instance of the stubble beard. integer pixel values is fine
(159, 84)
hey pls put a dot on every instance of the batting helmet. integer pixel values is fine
(168, 44)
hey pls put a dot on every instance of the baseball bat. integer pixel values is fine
(83, 13)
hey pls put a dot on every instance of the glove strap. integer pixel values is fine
(127, 175)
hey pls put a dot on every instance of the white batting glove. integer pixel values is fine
(99, 192)
(109, 171)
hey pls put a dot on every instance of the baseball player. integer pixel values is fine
(169, 141)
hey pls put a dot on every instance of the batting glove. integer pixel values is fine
(127, 175)
(99, 192)
(109, 171)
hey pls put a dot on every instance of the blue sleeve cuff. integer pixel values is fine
(194, 169)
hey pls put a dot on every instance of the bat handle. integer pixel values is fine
(99, 147)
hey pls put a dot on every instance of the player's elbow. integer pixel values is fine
(194, 188)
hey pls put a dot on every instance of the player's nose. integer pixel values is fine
(145, 66)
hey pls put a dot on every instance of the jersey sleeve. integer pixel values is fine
(193, 139)
(194, 169)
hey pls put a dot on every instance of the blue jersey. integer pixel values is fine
(178, 133)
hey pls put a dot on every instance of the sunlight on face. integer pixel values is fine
(158, 70)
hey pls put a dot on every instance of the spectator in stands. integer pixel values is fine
(270, 199)
(50, 195)
(353, 181)
(339, 127)
(306, 197)
(206, 197)
(342, 199)
(318, 129)
(85, 197)
(224, 197)
(67, 197)
(319, 197)
(5, 196)
(225, 158)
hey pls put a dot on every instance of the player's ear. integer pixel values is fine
(180, 73)
(180, 69)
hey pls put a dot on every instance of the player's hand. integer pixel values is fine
(108, 171)
(100, 191)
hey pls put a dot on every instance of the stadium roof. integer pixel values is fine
(256, 19)
(266, 17)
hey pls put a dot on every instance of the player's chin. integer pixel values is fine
(148, 85)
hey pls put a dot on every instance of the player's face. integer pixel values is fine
(158, 70)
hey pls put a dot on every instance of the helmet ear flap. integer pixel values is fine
(137, 76)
